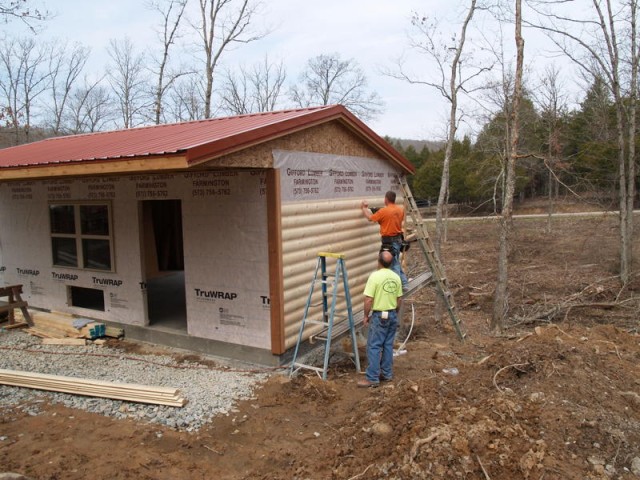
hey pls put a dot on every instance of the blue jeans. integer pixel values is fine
(396, 248)
(380, 346)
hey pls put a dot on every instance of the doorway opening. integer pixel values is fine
(163, 262)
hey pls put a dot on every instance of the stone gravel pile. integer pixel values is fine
(210, 391)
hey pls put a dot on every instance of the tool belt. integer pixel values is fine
(392, 239)
(388, 241)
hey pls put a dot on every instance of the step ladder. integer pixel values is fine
(327, 298)
(424, 240)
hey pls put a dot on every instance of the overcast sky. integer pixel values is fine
(372, 32)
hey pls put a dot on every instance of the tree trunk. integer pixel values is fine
(501, 299)
(216, 38)
(550, 204)
(443, 197)
(631, 158)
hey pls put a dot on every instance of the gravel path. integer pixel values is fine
(210, 391)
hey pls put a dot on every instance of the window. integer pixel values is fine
(81, 236)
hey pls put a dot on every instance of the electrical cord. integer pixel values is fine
(413, 318)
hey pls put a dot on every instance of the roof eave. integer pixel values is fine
(148, 164)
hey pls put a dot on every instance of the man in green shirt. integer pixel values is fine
(382, 299)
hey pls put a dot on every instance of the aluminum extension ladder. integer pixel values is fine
(330, 284)
(422, 236)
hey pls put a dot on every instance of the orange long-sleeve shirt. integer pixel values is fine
(390, 219)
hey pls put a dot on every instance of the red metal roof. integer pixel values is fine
(197, 140)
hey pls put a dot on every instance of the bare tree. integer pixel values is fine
(235, 96)
(449, 58)
(89, 109)
(629, 164)
(128, 82)
(268, 80)
(22, 81)
(187, 100)
(493, 140)
(449, 82)
(501, 298)
(552, 104)
(65, 66)
(222, 24)
(604, 43)
(20, 10)
(254, 90)
(10, 85)
(172, 12)
(329, 80)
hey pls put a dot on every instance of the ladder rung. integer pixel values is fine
(317, 322)
(335, 332)
(310, 367)
(330, 295)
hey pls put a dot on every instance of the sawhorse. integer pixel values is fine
(13, 292)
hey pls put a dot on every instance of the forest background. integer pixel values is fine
(51, 88)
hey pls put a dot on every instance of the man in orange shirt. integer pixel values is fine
(391, 219)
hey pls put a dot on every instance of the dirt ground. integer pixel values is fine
(555, 397)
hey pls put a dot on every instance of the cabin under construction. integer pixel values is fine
(200, 235)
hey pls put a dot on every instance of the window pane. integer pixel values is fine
(64, 252)
(94, 219)
(96, 254)
(62, 219)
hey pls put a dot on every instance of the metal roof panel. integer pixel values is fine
(195, 139)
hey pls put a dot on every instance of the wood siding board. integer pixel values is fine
(345, 231)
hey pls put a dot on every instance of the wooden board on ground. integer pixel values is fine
(64, 341)
(15, 325)
(94, 388)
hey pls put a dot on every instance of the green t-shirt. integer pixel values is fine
(384, 286)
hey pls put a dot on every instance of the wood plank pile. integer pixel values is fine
(60, 326)
(94, 388)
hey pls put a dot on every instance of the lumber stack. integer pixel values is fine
(93, 388)
(61, 325)
(93, 330)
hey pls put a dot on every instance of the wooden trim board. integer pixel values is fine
(274, 236)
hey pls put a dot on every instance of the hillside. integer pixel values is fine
(418, 145)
